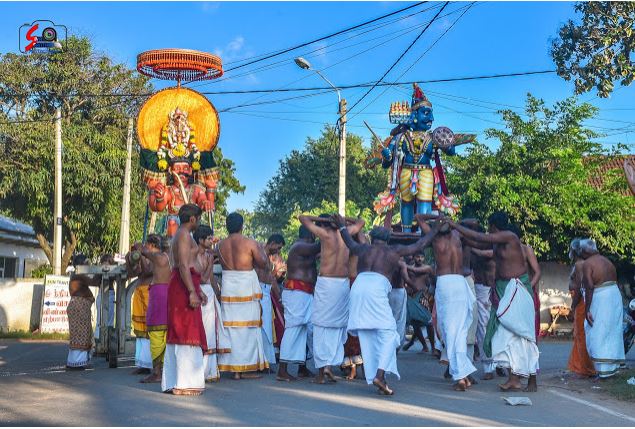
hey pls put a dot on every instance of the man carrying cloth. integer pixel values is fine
(512, 345)
(330, 299)
(183, 366)
(297, 299)
(218, 341)
(454, 302)
(370, 316)
(240, 298)
(604, 311)
(156, 250)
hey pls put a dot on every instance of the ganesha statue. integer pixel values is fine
(177, 169)
(408, 155)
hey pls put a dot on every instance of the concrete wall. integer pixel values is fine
(20, 303)
(554, 288)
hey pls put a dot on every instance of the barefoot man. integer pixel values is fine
(157, 314)
(297, 299)
(240, 298)
(418, 290)
(371, 317)
(330, 299)
(604, 311)
(217, 337)
(454, 302)
(183, 365)
(143, 356)
(512, 346)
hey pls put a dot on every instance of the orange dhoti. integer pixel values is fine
(580, 362)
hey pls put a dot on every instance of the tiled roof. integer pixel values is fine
(610, 163)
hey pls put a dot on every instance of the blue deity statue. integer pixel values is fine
(409, 152)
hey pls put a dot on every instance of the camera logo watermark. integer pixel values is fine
(42, 36)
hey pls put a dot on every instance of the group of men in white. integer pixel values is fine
(484, 298)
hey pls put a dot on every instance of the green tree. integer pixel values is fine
(309, 176)
(598, 51)
(94, 146)
(540, 176)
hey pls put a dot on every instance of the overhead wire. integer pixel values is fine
(400, 57)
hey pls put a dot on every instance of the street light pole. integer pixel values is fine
(341, 192)
(57, 223)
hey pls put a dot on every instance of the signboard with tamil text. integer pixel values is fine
(56, 298)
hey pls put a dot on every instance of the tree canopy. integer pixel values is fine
(598, 51)
(309, 176)
(94, 146)
(539, 175)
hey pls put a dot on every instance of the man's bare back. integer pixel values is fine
(334, 260)
(239, 253)
(302, 262)
(448, 249)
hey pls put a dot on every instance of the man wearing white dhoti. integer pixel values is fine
(604, 311)
(371, 317)
(330, 298)
(510, 338)
(240, 298)
(268, 282)
(454, 302)
(218, 341)
(398, 300)
(297, 299)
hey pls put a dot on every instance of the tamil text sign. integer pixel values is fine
(56, 298)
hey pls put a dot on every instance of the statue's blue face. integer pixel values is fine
(421, 119)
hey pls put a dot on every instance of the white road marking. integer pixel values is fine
(592, 405)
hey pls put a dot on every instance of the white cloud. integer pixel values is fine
(210, 6)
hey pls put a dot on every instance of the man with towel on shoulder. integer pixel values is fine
(371, 317)
(510, 339)
(330, 298)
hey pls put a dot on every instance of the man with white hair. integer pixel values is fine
(604, 311)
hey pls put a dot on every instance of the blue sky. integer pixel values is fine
(491, 38)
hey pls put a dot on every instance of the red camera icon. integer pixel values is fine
(42, 36)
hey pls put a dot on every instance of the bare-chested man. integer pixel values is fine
(157, 314)
(218, 341)
(240, 298)
(454, 301)
(604, 311)
(371, 317)
(330, 299)
(269, 285)
(297, 299)
(183, 366)
(516, 349)
(419, 292)
(469, 277)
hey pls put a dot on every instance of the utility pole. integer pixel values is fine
(341, 195)
(57, 223)
(124, 228)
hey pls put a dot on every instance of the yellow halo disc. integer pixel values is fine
(201, 115)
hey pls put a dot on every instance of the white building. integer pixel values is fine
(20, 252)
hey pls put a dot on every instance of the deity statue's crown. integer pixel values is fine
(399, 112)
(419, 99)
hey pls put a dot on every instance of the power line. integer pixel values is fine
(400, 57)
(284, 51)
(420, 57)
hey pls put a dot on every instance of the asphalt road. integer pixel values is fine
(36, 390)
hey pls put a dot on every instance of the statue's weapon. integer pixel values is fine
(186, 199)
(373, 132)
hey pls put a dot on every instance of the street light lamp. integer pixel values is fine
(341, 194)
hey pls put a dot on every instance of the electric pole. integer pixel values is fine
(57, 223)
(124, 228)
(341, 195)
